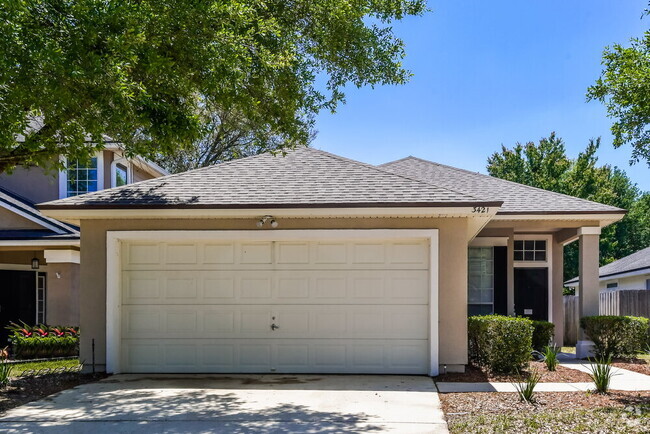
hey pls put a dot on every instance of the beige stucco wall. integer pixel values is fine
(557, 289)
(452, 272)
(140, 175)
(21, 257)
(34, 184)
(62, 294)
(11, 220)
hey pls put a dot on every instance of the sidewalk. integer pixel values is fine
(622, 380)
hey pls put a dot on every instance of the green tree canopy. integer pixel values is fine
(624, 89)
(151, 74)
(546, 165)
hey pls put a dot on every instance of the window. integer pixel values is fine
(647, 284)
(121, 177)
(530, 250)
(480, 281)
(40, 298)
(612, 285)
(81, 178)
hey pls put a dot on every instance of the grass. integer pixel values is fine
(598, 420)
(570, 350)
(18, 368)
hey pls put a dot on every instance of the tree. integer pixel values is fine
(227, 136)
(624, 89)
(546, 165)
(153, 74)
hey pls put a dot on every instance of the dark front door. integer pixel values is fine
(531, 293)
(17, 300)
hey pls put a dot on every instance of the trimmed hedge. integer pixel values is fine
(41, 341)
(500, 343)
(616, 336)
(543, 333)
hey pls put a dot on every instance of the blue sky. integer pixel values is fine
(488, 73)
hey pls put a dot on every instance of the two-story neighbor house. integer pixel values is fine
(39, 256)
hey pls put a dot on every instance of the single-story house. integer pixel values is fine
(630, 272)
(315, 263)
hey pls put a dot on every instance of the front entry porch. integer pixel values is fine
(518, 270)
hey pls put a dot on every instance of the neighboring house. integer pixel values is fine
(315, 263)
(630, 272)
(39, 256)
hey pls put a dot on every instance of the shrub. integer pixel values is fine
(549, 355)
(5, 368)
(42, 341)
(543, 332)
(616, 336)
(500, 343)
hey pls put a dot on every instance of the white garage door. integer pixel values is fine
(275, 306)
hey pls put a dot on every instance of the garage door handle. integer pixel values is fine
(274, 327)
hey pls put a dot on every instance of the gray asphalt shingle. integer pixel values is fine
(517, 198)
(305, 177)
(636, 261)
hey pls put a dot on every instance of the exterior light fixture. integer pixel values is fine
(261, 222)
(35, 264)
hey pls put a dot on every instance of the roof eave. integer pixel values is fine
(54, 206)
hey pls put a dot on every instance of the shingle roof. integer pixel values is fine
(517, 198)
(15, 202)
(638, 261)
(305, 177)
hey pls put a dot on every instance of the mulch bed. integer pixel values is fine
(637, 365)
(26, 389)
(460, 404)
(553, 412)
(475, 375)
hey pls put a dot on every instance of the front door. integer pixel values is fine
(531, 293)
(17, 300)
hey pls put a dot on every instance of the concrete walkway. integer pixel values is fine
(623, 380)
(236, 404)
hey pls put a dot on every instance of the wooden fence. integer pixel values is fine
(635, 302)
(570, 320)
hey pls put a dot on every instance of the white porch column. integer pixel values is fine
(589, 286)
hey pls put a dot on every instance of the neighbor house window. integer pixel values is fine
(612, 285)
(121, 175)
(530, 250)
(647, 284)
(82, 178)
(480, 281)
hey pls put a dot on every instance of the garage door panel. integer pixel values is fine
(284, 356)
(242, 322)
(337, 306)
(275, 255)
(277, 287)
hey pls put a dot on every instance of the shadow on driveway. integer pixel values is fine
(236, 404)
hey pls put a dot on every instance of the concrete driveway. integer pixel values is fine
(237, 404)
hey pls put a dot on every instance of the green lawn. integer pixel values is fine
(601, 420)
(18, 368)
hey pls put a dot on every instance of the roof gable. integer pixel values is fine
(305, 177)
(38, 222)
(517, 198)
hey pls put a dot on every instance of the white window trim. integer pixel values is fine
(540, 264)
(63, 175)
(129, 170)
(114, 280)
